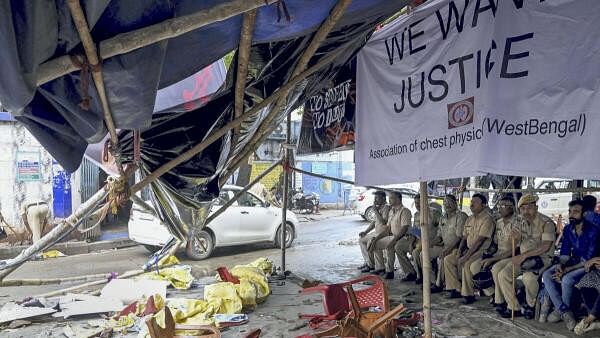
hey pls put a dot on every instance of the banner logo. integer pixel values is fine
(461, 113)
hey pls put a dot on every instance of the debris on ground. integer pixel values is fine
(18, 324)
(52, 254)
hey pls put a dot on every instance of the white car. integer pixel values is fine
(553, 204)
(248, 220)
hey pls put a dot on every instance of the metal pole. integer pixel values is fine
(286, 185)
(426, 259)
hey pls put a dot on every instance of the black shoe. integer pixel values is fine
(378, 272)
(419, 281)
(362, 267)
(436, 289)
(3, 234)
(411, 277)
(366, 269)
(528, 312)
(507, 313)
(469, 300)
(500, 307)
(389, 275)
(453, 294)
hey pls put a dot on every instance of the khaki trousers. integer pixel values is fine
(400, 250)
(452, 270)
(373, 258)
(504, 283)
(36, 217)
(434, 253)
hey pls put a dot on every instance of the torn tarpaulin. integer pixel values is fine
(185, 193)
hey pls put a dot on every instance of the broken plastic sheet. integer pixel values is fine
(184, 195)
(33, 32)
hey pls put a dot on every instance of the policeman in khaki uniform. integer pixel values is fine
(399, 219)
(434, 251)
(374, 258)
(535, 235)
(477, 237)
(448, 236)
(503, 242)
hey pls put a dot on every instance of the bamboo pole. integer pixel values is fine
(92, 56)
(241, 192)
(513, 278)
(246, 33)
(80, 214)
(426, 259)
(127, 274)
(532, 191)
(126, 42)
(265, 128)
(49, 281)
(234, 123)
(286, 190)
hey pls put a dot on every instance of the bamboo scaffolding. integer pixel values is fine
(265, 128)
(92, 56)
(171, 28)
(229, 126)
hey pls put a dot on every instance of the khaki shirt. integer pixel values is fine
(399, 219)
(434, 221)
(451, 227)
(502, 238)
(481, 225)
(542, 229)
(381, 227)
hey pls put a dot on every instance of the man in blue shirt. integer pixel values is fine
(579, 244)
(589, 213)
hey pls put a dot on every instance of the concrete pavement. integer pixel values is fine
(324, 250)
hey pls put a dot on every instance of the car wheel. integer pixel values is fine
(201, 246)
(369, 214)
(152, 248)
(290, 234)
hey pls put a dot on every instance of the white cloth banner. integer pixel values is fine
(462, 88)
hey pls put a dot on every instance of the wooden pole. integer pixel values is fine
(242, 65)
(92, 56)
(241, 192)
(265, 128)
(79, 215)
(127, 274)
(126, 42)
(426, 259)
(286, 190)
(513, 278)
(49, 281)
(234, 123)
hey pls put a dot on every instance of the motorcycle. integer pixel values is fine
(308, 203)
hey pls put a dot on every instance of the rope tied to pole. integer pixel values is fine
(85, 67)
(118, 194)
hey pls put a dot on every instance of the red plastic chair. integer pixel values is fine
(336, 303)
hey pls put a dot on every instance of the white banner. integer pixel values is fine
(461, 88)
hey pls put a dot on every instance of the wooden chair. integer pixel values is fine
(156, 331)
